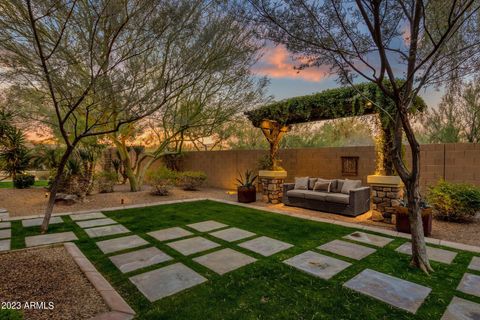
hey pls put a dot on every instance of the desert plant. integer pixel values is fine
(191, 180)
(265, 163)
(14, 155)
(106, 181)
(162, 179)
(246, 181)
(23, 181)
(455, 201)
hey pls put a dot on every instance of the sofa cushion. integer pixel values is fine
(338, 198)
(321, 185)
(350, 185)
(338, 186)
(315, 195)
(311, 183)
(296, 193)
(301, 183)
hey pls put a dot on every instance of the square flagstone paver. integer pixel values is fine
(232, 234)
(95, 223)
(434, 254)
(399, 293)
(5, 233)
(460, 309)
(206, 226)
(474, 264)
(5, 245)
(87, 216)
(265, 246)
(169, 234)
(347, 249)
(142, 258)
(50, 238)
(317, 264)
(4, 225)
(192, 245)
(106, 231)
(123, 243)
(368, 238)
(164, 282)
(470, 284)
(224, 261)
(38, 222)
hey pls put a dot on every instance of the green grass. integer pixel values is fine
(9, 184)
(266, 289)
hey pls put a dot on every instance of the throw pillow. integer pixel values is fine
(350, 185)
(311, 183)
(322, 186)
(301, 183)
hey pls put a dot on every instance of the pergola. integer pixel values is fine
(275, 119)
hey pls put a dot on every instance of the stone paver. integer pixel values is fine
(347, 249)
(123, 243)
(265, 246)
(368, 238)
(142, 258)
(87, 216)
(166, 281)
(399, 293)
(5, 233)
(434, 254)
(317, 264)
(474, 264)
(106, 231)
(470, 284)
(169, 234)
(4, 225)
(50, 238)
(206, 226)
(5, 245)
(192, 245)
(232, 234)
(224, 261)
(38, 222)
(461, 309)
(95, 223)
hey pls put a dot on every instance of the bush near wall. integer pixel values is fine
(191, 180)
(23, 181)
(162, 179)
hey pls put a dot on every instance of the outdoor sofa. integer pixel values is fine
(346, 197)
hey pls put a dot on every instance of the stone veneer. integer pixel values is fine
(272, 185)
(386, 195)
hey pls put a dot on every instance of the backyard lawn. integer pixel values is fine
(267, 288)
(9, 184)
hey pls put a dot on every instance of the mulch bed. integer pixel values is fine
(48, 275)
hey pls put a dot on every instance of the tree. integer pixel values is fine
(380, 41)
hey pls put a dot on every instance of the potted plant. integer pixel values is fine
(403, 224)
(246, 190)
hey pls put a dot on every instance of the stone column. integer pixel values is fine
(387, 191)
(272, 185)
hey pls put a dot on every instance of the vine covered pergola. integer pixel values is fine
(275, 119)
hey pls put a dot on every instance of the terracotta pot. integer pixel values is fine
(403, 225)
(247, 195)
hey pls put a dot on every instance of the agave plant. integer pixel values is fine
(247, 180)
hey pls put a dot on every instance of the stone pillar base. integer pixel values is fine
(387, 192)
(272, 185)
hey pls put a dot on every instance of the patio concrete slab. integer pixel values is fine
(192, 245)
(347, 249)
(461, 309)
(232, 234)
(265, 246)
(123, 243)
(87, 216)
(470, 284)
(166, 281)
(368, 238)
(224, 261)
(5, 233)
(95, 223)
(206, 226)
(434, 254)
(474, 264)
(38, 222)
(317, 264)
(4, 225)
(169, 234)
(50, 238)
(5, 245)
(399, 293)
(106, 231)
(142, 258)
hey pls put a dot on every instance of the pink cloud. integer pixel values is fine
(277, 63)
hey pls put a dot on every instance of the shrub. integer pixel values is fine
(162, 179)
(23, 181)
(191, 180)
(106, 181)
(455, 202)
